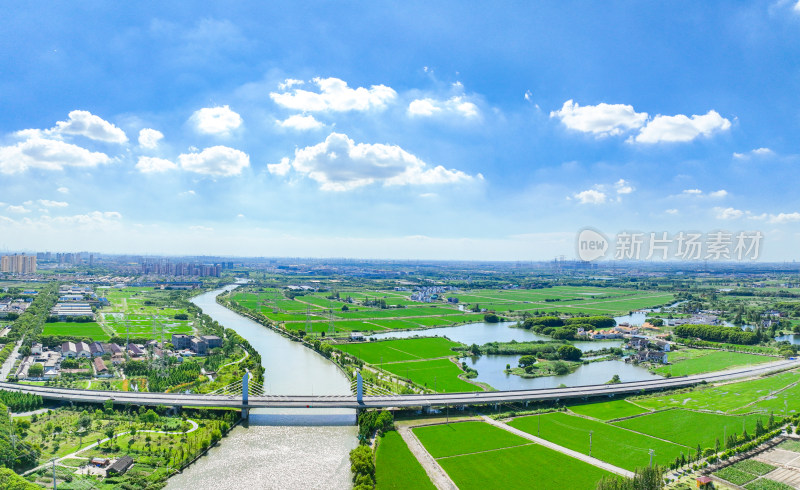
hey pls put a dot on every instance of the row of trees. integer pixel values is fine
(717, 333)
(20, 402)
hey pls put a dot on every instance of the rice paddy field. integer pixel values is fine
(440, 375)
(608, 410)
(477, 455)
(396, 468)
(89, 330)
(400, 350)
(690, 428)
(615, 445)
(139, 309)
(689, 361)
(727, 397)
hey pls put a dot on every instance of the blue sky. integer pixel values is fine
(383, 130)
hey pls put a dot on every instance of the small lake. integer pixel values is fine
(482, 333)
(792, 338)
(491, 370)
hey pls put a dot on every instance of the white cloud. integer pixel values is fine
(693, 192)
(797, 7)
(150, 165)
(335, 95)
(218, 161)
(187, 193)
(149, 138)
(600, 120)
(784, 218)
(84, 123)
(53, 204)
(48, 154)
(300, 122)
(339, 164)
(623, 187)
(201, 228)
(289, 83)
(728, 213)
(18, 209)
(93, 220)
(220, 120)
(528, 95)
(280, 168)
(672, 211)
(455, 105)
(718, 194)
(681, 128)
(591, 196)
(758, 152)
(63, 190)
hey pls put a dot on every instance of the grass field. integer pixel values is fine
(400, 350)
(726, 397)
(786, 402)
(440, 375)
(395, 466)
(691, 428)
(608, 410)
(477, 455)
(91, 330)
(744, 471)
(614, 445)
(685, 362)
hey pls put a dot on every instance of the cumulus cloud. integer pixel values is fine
(300, 122)
(339, 164)
(672, 211)
(149, 138)
(784, 218)
(758, 152)
(457, 105)
(53, 204)
(84, 123)
(622, 186)
(681, 128)
(728, 213)
(63, 190)
(47, 154)
(280, 168)
(220, 161)
(601, 119)
(289, 83)
(149, 165)
(220, 120)
(591, 196)
(335, 95)
(692, 192)
(95, 220)
(718, 194)
(17, 209)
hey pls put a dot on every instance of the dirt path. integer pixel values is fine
(435, 472)
(569, 452)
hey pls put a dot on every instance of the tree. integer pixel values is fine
(345, 308)
(615, 379)
(36, 370)
(526, 361)
(491, 318)
(569, 353)
(560, 368)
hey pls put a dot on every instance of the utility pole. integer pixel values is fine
(651, 457)
(54, 473)
(590, 442)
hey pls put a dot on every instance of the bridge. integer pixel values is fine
(244, 395)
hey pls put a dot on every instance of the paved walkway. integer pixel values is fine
(569, 452)
(435, 472)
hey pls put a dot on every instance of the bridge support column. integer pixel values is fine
(245, 393)
(359, 388)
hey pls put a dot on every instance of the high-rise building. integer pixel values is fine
(18, 264)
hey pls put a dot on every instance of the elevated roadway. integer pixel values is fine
(425, 400)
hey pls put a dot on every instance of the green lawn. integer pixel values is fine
(685, 362)
(440, 375)
(531, 466)
(396, 467)
(608, 410)
(465, 437)
(725, 397)
(691, 428)
(90, 329)
(400, 350)
(614, 445)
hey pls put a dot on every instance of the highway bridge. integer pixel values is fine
(357, 401)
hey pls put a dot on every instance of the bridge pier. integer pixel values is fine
(245, 394)
(359, 388)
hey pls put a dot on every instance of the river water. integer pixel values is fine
(280, 448)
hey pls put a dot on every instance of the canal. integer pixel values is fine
(299, 448)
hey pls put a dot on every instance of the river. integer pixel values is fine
(280, 448)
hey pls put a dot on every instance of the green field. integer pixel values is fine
(87, 330)
(477, 456)
(400, 350)
(685, 362)
(744, 471)
(609, 410)
(611, 444)
(767, 484)
(691, 428)
(440, 375)
(137, 309)
(726, 397)
(395, 466)
(786, 402)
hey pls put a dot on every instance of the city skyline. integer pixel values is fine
(491, 134)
